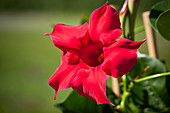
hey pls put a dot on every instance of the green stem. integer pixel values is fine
(132, 6)
(151, 77)
(131, 28)
(125, 93)
(139, 29)
(123, 20)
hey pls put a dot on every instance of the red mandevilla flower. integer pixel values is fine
(91, 54)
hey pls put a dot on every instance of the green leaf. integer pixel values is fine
(63, 95)
(151, 94)
(169, 3)
(156, 66)
(133, 108)
(76, 103)
(156, 10)
(163, 24)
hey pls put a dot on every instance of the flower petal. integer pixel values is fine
(108, 38)
(90, 53)
(92, 84)
(88, 81)
(120, 57)
(63, 76)
(71, 58)
(104, 20)
(67, 37)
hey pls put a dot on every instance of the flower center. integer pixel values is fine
(92, 54)
(101, 58)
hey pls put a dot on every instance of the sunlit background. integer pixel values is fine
(28, 57)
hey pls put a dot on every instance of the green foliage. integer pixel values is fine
(163, 24)
(63, 95)
(76, 103)
(159, 18)
(151, 95)
(156, 10)
(156, 66)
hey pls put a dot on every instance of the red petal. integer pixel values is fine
(90, 53)
(71, 58)
(92, 84)
(104, 20)
(120, 57)
(88, 81)
(68, 37)
(63, 76)
(108, 38)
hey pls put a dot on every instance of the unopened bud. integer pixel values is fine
(124, 8)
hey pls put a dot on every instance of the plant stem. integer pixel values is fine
(139, 29)
(125, 93)
(132, 6)
(151, 77)
(131, 27)
(123, 20)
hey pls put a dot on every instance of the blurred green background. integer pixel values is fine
(28, 58)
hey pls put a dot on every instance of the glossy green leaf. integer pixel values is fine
(156, 66)
(163, 24)
(156, 10)
(76, 103)
(152, 94)
(79, 104)
(63, 95)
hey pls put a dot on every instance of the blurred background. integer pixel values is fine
(28, 58)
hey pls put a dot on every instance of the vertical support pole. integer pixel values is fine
(151, 41)
(116, 87)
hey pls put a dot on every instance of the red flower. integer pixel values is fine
(91, 54)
